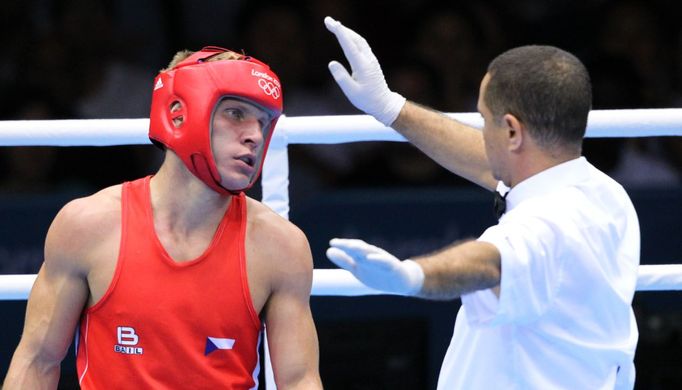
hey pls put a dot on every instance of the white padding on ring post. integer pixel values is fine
(275, 176)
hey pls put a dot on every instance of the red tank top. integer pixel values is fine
(163, 324)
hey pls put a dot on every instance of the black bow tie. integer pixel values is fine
(500, 204)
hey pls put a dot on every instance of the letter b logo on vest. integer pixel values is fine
(127, 336)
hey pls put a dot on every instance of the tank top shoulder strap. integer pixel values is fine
(136, 218)
(135, 196)
(234, 222)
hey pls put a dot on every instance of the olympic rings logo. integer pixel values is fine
(269, 88)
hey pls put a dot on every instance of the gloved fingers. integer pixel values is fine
(365, 254)
(343, 34)
(382, 261)
(345, 40)
(331, 23)
(347, 242)
(341, 75)
(354, 46)
(354, 244)
(341, 259)
(350, 244)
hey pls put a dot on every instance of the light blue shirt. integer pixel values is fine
(569, 243)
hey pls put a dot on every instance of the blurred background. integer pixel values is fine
(97, 59)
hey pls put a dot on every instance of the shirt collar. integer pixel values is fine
(551, 179)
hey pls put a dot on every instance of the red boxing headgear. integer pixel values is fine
(198, 84)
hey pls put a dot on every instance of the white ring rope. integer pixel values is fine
(314, 129)
(338, 282)
(323, 130)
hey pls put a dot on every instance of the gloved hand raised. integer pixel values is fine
(366, 88)
(375, 267)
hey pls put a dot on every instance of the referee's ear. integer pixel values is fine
(516, 132)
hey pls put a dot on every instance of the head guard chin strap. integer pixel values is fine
(190, 91)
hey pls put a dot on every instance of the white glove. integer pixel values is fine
(375, 267)
(366, 88)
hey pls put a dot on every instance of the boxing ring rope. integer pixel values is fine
(323, 130)
(337, 282)
(314, 129)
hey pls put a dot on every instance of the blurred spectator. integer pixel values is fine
(631, 70)
(14, 22)
(632, 30)
(193, 24)
(400, 164)
(108, 85)
(277, 31)
(451, 41)
(29, 169)
(649, 163)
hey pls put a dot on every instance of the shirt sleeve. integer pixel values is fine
(531, 274)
